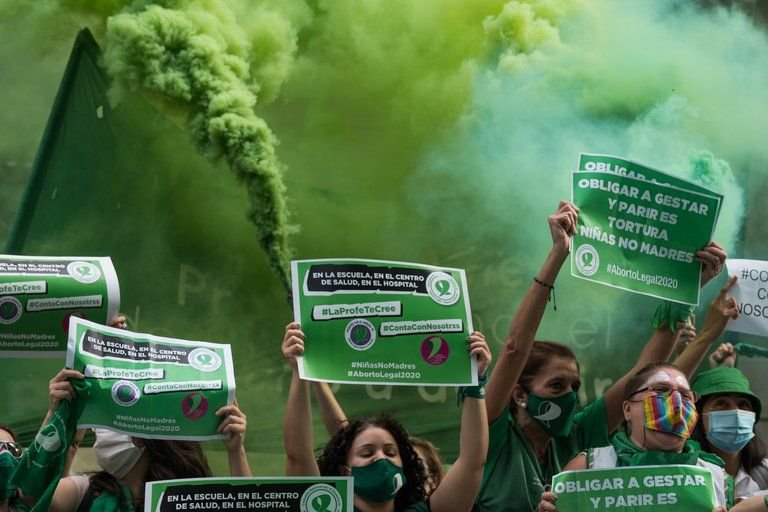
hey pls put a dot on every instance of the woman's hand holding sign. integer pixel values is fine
(293, 344)
(234, 424)
(562, 225)
(712, 257)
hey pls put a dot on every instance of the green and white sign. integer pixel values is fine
(152, 387)
(751, 295)
(277, 494)
(635, 489)
(622, 166)
(639, 235)
(39, 294)
(383, 322)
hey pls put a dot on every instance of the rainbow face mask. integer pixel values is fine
(670, 413)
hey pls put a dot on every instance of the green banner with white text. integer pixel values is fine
(39, 294)
(278, 494)
(370, 321)
(148, 386)
(636, 489)
(640, 236)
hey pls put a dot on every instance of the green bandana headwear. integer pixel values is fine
(40, 469)
(671, 313)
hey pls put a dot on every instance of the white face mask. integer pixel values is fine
(115, 453)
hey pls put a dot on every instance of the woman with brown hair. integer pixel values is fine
(531, 396)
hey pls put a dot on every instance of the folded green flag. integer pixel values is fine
(40, 469)
(747, 350)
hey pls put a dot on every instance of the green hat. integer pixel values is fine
(725, 379)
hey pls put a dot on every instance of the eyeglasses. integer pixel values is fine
(14, 448)
(664, 390)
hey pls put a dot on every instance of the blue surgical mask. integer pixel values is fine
(731, 430)
(378, 482)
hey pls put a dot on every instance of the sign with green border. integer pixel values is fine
(635, 489)
(39, 294)
(276, 494)
(383, 322)
(148, 386)
(639, 235)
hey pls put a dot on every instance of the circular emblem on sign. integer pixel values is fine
(49, 439)
(587, 260)
(10, 310)
(84, 272)
(360, 334)
(204, 359)
(194, 406)
(443, 288)
(434, 350)
(321, 498)
(125, 393)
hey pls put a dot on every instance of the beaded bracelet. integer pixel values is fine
(551, 297)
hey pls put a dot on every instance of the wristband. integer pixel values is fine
(671, 313)
(472, 391)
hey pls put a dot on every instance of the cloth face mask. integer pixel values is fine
(670, 413)
(553, 415)
(378, 482)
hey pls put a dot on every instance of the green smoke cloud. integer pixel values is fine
(192, 55)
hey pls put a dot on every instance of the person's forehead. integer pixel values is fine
(560, 367)
(5, 435)
(668, 376)
(376, 436)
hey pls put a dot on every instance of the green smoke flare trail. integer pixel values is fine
(187, 56)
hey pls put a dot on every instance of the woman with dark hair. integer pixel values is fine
(729, 410)
(388, 472)
(129, 462)
(660, 414)
(335, 419)
(10, 455)
(531, 396)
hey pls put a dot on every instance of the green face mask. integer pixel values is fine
(378, 482)
(8, 465)
(553, 415)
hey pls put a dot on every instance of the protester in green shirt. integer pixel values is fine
(388, 473)
(660, 413)
(531, 395)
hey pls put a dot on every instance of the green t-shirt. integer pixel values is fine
(513, 479)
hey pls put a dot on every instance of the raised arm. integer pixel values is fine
(297, 425)
(330, 409)
(722, 309)
(234, 424)
(663, 340)
(458, 489)
(522, 331)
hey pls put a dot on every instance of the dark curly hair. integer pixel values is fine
(168, 460)
(334, 456)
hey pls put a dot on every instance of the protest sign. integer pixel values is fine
(640, 236)
(624, 167)
(39, 294)
(636, 489)
(383, 322)
(278, 494)
(152, 387)
(751, 295)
